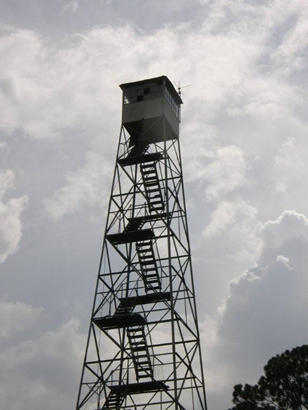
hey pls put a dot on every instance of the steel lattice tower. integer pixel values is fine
(143, 348)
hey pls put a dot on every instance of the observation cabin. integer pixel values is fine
(151, 110)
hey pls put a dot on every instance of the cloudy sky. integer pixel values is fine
(244, 142)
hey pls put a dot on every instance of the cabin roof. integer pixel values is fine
(162, 79)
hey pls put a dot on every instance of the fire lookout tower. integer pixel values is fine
(143, 348)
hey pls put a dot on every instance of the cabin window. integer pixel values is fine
(141, 93)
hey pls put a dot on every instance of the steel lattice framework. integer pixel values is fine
(143, 347)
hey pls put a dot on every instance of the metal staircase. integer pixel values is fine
(114, 400)
(140, 352)
(138, 149)
(134, 224)
(148, 265)
(151, 186)
(123, 309)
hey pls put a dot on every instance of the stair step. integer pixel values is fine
(144, 243)
(144, 246)
(145, 252)
(134, 336)
(148, 170)
(149, 184)
(141, 362)
(151, 276)
(152, 192)
(146, 263)
(148, 173)
(137, 347)
(155, 203)
(148, 269)
(150, 163)
(145, 257)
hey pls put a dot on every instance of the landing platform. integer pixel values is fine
(145, 299)
(135, 388)
(130, 236)
(119, 321)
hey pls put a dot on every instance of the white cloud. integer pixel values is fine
(233, 234)
(225, 173)
(66, 87)
(10, 216)
(86, 186)
(265, 312)
(17, 318)
(291, 55)
(74, 87)
(44, 367)
(230, 244)
(225, 61)
(230, 214)
(277, 233)
(246, 64)
(72, 6)
(289, 168)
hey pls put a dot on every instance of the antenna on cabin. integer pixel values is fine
(180, 87)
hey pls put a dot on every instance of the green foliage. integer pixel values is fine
(284, 385)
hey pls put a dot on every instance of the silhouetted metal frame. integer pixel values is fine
(181, 288)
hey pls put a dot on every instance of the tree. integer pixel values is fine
(284, 385)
